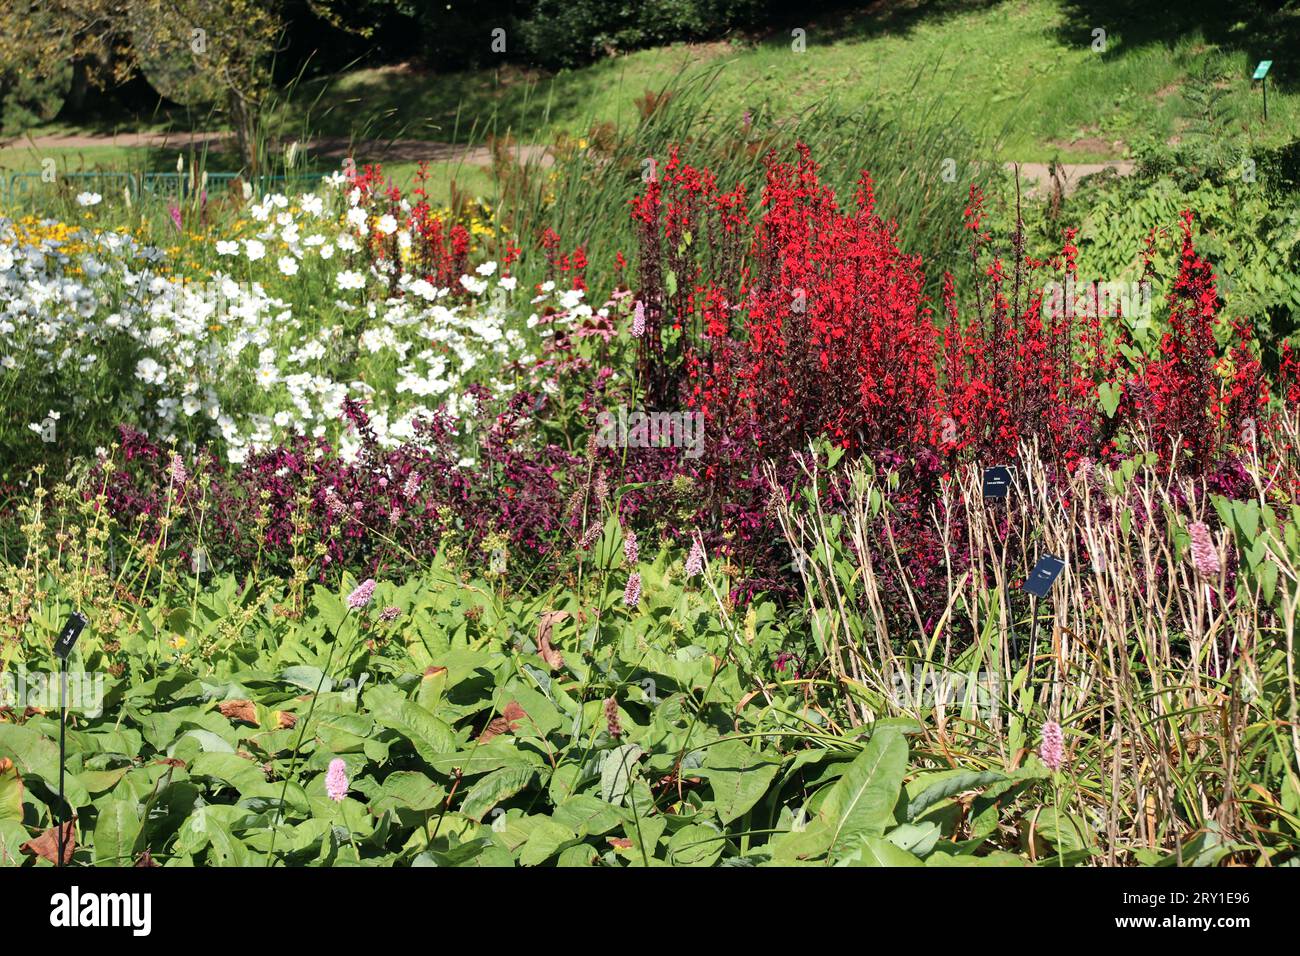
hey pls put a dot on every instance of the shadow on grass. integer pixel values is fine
(1255, 29)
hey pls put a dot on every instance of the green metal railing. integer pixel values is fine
(20, 186)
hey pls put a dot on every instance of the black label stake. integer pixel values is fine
(62, 648)
(997, 482)
(1039, 582)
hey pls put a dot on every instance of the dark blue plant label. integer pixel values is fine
(997, 481)
(68, 636)
(1044, 575)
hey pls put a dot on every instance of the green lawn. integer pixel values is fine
(1022, 72)
(1027, 69)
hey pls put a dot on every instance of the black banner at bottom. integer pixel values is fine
(338, 905)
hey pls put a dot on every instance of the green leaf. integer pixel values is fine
(616, 771)
(244, 775)
(116, 831)
(546, 839)
(878, 851)
(948, 786)
(497, 786)
(695, 845)
(11, 794)
(409, 790)
(37, 756)
(1108, 393)
(739, 776)
(861, 802)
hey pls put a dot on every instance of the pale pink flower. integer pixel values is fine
(362, 595)
(632, 593)
(336, 780)
(411, 486)
(1052, 750)
(333, 504)
(1205, 557)
(390, 613)
(631, 552)
(178, 472)
(695, 560)
(638, 320)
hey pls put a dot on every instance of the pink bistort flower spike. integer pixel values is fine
(695, 560)
(336, 780)
(362, 595)
(632, 593)
(1052, 750)
(631, 551)
(1205, 557)
(638, 320)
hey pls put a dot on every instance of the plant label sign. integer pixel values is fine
(997, 481)
(1261, 71)
(1044, 575)
(68, 636)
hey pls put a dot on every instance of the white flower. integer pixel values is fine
(89, 199)
(357, 219)
(386, 224)
(226, 248)
(508, 283)
(348, 279)
(327, 251)
(288, 265)
(254, 249)
(150, 372)
(486, 269)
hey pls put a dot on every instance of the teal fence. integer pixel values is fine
(20, 186)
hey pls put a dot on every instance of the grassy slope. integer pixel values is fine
(1022, 68)
(1027, 66)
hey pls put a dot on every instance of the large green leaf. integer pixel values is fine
(738, 776)
(616, 771)
(877, 851)
(37, 756)
(497, 786)
(861, 803)
(116, 832)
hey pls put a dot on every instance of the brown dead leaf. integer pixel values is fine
(554, 659)
(619, 843)
(432, 671)
(509, 718)
(47, 844)
(239, 710)
(285, 720)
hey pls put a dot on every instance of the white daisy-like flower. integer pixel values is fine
(288, 266)
(89, 199)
